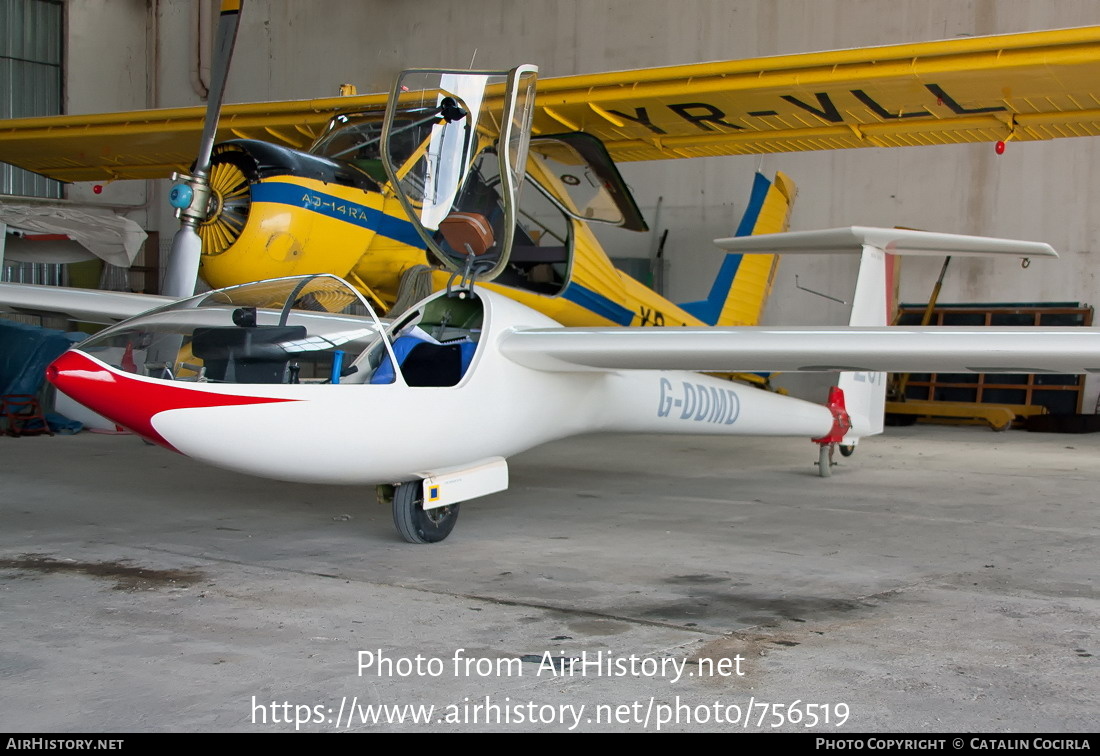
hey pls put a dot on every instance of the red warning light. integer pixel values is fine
(97, 189)
(999, 148)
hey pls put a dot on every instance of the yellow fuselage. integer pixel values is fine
(300, 225)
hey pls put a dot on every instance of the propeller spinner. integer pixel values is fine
(192, 196)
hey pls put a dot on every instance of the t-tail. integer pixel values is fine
(744, 281)
(863, 394)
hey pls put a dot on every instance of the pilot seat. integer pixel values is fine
(255, 354)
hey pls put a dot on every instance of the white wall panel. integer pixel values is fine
(302, 49)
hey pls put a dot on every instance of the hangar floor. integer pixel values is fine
(944, 579)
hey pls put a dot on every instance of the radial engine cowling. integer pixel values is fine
(270, 205)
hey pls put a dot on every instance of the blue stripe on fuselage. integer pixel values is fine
(598, 304)
(295, 195)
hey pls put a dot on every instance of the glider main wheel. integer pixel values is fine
(416, 524)
(848, 450)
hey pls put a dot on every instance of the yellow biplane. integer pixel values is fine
(296, 187)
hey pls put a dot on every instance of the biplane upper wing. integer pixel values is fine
(153, 143)
(1028, 86)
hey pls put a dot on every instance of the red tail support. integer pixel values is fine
(841, 422)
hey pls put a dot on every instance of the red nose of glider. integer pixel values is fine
(132, 401)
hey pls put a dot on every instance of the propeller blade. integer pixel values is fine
(183, 264)
(223, 54)
(192, 197)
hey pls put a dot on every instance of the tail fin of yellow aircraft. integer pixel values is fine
(744, 281)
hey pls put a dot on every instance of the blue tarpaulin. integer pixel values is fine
(25, 351)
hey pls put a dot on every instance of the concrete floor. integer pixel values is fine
(944, 579)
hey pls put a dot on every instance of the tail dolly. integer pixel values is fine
(828, 443)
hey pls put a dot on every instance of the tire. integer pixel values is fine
(416, 524)
(824, 464)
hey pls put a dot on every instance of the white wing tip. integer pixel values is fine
(898, 241)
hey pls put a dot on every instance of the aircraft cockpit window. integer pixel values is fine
(542, 238)
(438, 123)
(579, 172)
(434, 346)
(306, 329)
(354, 138)
(542, 252)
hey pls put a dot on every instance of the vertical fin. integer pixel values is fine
(744, 281)
(865, 392)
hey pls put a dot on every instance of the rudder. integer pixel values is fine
(744, 281)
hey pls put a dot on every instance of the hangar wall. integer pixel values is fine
(137, 53)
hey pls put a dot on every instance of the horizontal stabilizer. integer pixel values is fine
(943, 349)
(896, 241)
